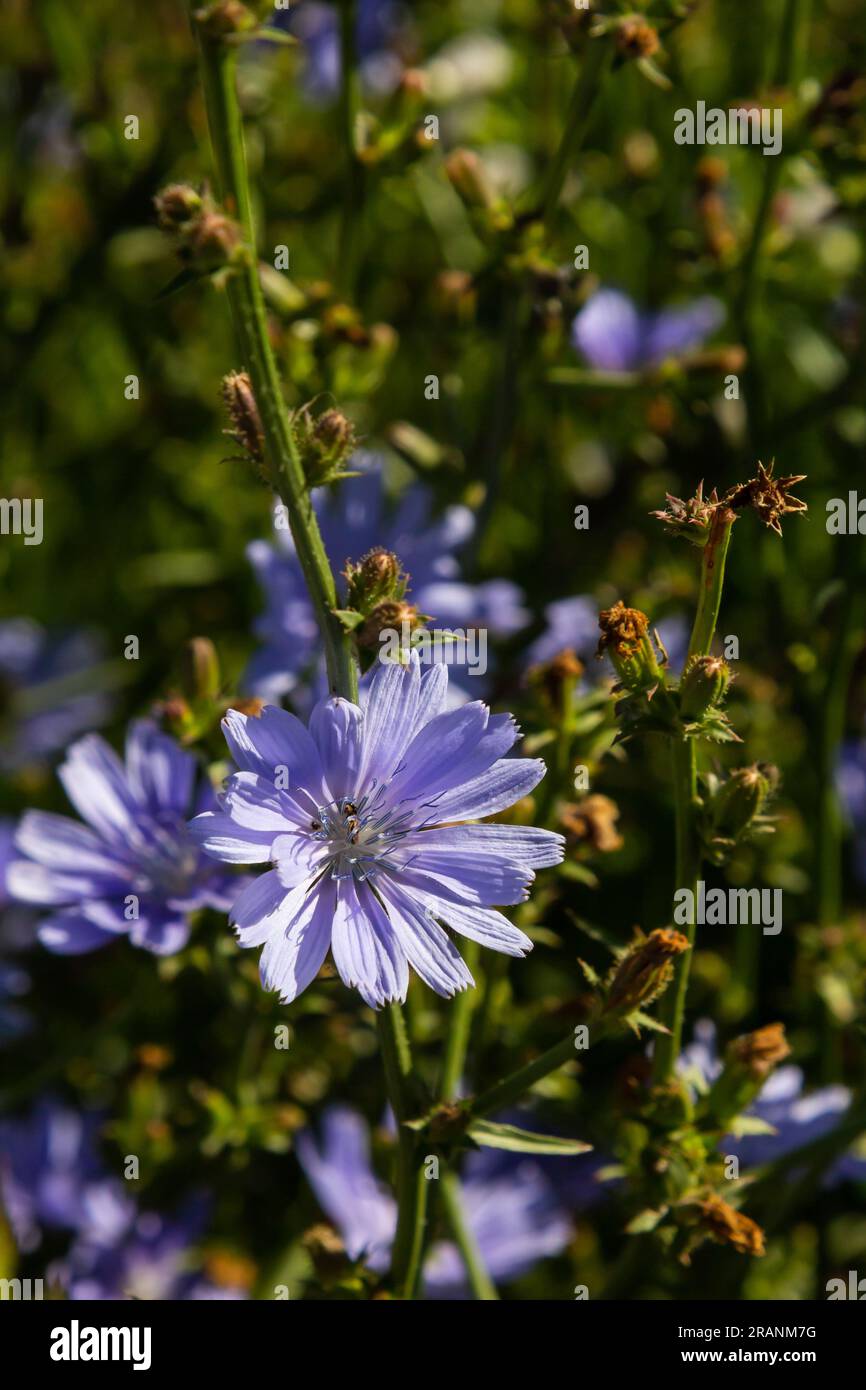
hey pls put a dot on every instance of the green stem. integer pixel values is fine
(687, 862)
(250, 323)
(686, 874)
(348, 253)
(459, 1024)
(712, 580)
(588, 84)
(479, 1279)
(512, 1087)
(412, 1185)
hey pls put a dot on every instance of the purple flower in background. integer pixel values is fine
(851, 787)
(133, 870)
(378, 29)
(797, 1118)
(48, 1165)
(17, 932)
(509, 1205)
(145, 1256)
(613, 335)
(353, 521)
(355, 817)
(47, 694)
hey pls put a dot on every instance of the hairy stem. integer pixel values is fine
(479, 1279)
(459, 1023)
(412, 1185)
(250, 324)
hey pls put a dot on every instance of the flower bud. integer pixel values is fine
(704, 684)
(625, 639)
(325, 443)
(240, 403)
(741, 798)
(225, 17)
(214, 238)
(177, 206)
(644, 971)
(388, 616)
(200, 670)
(593, 822)
(327, 1254)
(469, 179)
(376, 577)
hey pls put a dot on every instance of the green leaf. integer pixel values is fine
(349, 618)
(522, 1141)
(646, 1220)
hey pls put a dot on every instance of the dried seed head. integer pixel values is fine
(635, 38)
(770, 497)
(214, 237)
(388, 617)
(644, 970)
(691, 518)
(593, 821)
(623, 630)
(730, 1227)
(759, 1052)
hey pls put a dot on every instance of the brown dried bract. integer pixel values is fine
(770, 497)
(731, 1227)
(622, 629)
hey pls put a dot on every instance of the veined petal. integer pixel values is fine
(464, 878)
(67, 934)
(366, 951)
(523, 845)
(296, 858)
(264, 907)
(62, 843)
(34, 883)
(253, 803)
(262, 743)
(435, 758)
(336, 726)
(160, 773)
(429, 949)
(95, 781)
(292, 957)
(220, 837)
(483, 925)
(390, 713)
(495, 790)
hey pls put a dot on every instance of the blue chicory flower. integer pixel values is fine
(47, 694)
(509, 1205)
(612, 334)
(796, 1117)
(17, 932)
(851, 786)
(356, 817)
(353, 521)
(133, 870)
(49, 1163)
(378, 28)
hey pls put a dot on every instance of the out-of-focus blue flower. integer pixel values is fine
(17, 932)
(797, 1118)
(353, 521)
(509, 1205)
(367, 799)
(851, 786)
(46, 691)
(612, 334)
(133, 870)
(379, 27)
(48, 1165)
(146, 1256)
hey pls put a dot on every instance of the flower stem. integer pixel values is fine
(479, 1279)
(250, 324)
(503, 1093)
(459, 1024)
(687, 861)
(353, 184)
(412, 1185)
(577, 119)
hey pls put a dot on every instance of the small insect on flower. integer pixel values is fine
(369, 851)
(133, 870)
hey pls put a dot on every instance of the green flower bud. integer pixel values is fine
(749, 1060)
(375, 578)
(704, 684)
(200, 670)
(741, 798)
(325, 443)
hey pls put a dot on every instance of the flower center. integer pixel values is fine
(360, 835)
